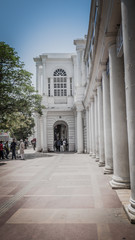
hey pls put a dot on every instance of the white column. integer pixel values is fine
(96, 130)
(75, 75)
(101, 127)
(39, 83)
(79, 77)
(37, 76)
(79, 130)
(51, 87)
(90, 131)
(76, 132)
(45, 85)
(93, 127)
(87, 125)
(128, 27)
(44, 131)
(38, 137)
(68, 86)
(107, 125)
(119, 124)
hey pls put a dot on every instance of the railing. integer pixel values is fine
(119, 42)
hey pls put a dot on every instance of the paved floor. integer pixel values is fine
(62, 197)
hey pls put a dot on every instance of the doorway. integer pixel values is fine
(61, 132)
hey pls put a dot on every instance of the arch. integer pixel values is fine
(59, 72)
(60, 130)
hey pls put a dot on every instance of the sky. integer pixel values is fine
(34, 27)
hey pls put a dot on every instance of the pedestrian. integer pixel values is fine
(1, 150)
(13, 148)
(55, 145)
(7, 149)
(22, 149)
(61, 146)
(58, 144)
(64, 145)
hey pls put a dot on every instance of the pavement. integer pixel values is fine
(60, 197)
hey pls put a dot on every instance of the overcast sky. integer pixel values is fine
(34, 27)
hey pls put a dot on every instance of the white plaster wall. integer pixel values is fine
(68, 118)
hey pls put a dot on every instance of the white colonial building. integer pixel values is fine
(62, 90)
(90, 96)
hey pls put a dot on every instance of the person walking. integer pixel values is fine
(13, 148)
(22, 149)
(1, 150)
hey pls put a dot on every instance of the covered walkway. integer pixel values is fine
(60, 197)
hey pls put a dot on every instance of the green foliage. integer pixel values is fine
(18, 99)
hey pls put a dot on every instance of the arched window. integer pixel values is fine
(60, 83)
(59, 72)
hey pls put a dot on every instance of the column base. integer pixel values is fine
(44, 151)
(101, 164)
(90, 154)
(130, 216)
(93, 155)
(119, 183)
(97, 159)
(108, 170)
(39, 150)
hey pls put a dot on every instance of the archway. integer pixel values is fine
(61, 132)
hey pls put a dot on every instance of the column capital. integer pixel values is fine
(98, 82)
(44, 58)
(91, 99)
(112, 48)
(44, 113)
(104, 75)
(79, 107)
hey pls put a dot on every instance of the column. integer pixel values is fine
(68, 86)
(45, 85)
(44, 131)
(76, 131)
(79, 80)
(96, 129)
(51, 87)
(107, 125)
(87, 124)
(101, 127)
(119, 125)
(79, 130)
(37, 76)
(90, 131)
(93, 128)
(38, 137)
(128, 27)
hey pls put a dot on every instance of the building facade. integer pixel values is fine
(97, 110)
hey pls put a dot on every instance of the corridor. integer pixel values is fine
(60, 197)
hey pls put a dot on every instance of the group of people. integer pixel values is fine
(13, 147)
(60, 145)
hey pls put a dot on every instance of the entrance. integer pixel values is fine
(61, 132)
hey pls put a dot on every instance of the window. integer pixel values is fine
(71, 93)
(59, 72)
(60, 83)
(49, 87)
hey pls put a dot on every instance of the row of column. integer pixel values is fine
(113, 107)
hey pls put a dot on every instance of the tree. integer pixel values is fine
(18, 99)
